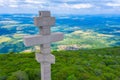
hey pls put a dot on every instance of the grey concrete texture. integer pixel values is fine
(44, 21)
(44, 13)
(40, 39)
(45, 71)
(49, 58)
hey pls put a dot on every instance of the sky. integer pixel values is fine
(61, 6)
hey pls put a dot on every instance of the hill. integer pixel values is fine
(94, 64)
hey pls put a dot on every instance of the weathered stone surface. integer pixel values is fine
(45, 50)
(58, 36)
(44, 21)
(49, 58)
(45, 31)
(40, 39)
(36, 40)
(44, 13)
(45, 71)
(45, 45)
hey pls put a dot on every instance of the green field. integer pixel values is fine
(93, 64)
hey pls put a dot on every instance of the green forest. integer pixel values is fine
(91, 64)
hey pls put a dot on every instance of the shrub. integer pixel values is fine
(72, 77)
(33, 74)
(19, 75)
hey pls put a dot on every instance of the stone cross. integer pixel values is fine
(44, 39)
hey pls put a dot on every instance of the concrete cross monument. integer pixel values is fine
(44, 39)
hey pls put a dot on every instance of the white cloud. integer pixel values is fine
(13, 1)
(35, 1)
(116, 1)
(59, 6)
(77, 6)
(28, 6)
(9, 3)
(1, 3)
(113, 4)
(13, 6)
(18, 3)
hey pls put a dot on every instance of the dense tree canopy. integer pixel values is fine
(97, 64)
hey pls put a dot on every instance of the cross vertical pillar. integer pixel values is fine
(45, 49)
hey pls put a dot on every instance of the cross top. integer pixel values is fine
(44, 14)
(44, 39)
(44, 19)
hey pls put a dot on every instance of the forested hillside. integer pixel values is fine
(94, 64)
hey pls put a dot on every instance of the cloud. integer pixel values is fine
(59, 6)
(1, 3)
(35, 1)
(113, 4)
(13, 6)
(9, 3)
(76, 6)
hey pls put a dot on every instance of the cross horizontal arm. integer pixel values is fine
(40, 39)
